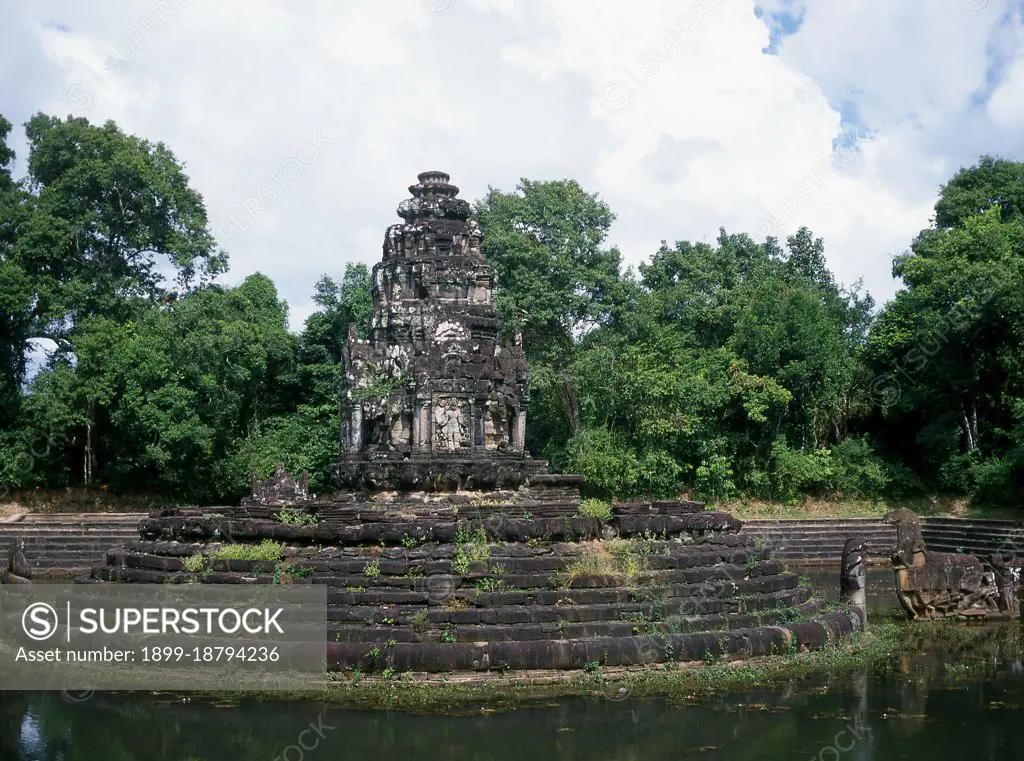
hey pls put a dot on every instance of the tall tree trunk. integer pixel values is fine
(974, 421)
(969, 431)
(572, 404)
(90, 458)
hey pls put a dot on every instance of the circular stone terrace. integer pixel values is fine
(500, 581)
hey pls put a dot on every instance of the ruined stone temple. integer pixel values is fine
(447, 548)
(434, 399)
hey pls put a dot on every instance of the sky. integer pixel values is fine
(303, 123)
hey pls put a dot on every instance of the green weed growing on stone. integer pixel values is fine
(195, 563)
(619, 559)
(296, 517)
(489, 584)
(751, 565)
(595, 508)
(268, 549)
(472, 547)
(420, 621)
(372, 569)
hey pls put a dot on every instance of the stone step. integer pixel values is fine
(687, 600)
(987, 522)
(364, 603)
(560, 628)
(31, 530)
(858, 523)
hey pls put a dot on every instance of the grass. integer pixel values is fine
(619, 559)
(268, 549)
(489, 584)
(83, 499)
(954, 507)
(420, 621)
(79, 499)
(881, 650)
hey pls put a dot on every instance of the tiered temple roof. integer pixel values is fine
(435, 399)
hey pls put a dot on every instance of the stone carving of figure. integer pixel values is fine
(452, 432)
(448, 425)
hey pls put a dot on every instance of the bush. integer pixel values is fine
(957, 473)
(903, 482)
(714, 479)
(268, 549)
(996, 483)
(858, 471)
(793, 473)
(596, 508)
(615, 468)
(851, 468)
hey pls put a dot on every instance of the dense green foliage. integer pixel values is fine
(716, 369)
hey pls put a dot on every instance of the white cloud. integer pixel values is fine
(673, 113)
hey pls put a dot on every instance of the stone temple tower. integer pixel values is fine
(434, 400)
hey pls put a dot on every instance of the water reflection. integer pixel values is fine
(931, 707)
(925, 710)
(881, 588)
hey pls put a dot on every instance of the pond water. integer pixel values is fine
(928, 708)
(881, 587)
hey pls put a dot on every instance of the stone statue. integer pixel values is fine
(18, 570)
(853, 577)
(448, 421)
(1006, 569)
(946, 584)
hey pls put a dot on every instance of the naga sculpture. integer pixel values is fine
(853, 576)
(948, 584)
(18, 570)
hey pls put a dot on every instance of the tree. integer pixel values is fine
(304, 436)
(340, 304)
(159, 401)
(949, 345)
(91, 234)
(16, 291)
(107, 214)
(973, 190)
(558, 283)
(734, 365)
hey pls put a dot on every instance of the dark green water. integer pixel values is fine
(899, 718)
(928, 709)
